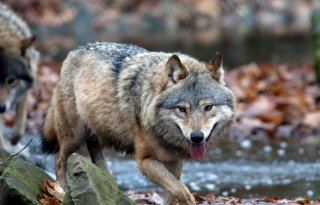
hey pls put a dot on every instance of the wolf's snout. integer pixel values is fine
(196, 136)
(2, 108)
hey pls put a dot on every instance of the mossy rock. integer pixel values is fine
(20, 183)
(87, 184)
(3, 156)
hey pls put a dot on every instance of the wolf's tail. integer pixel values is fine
(49, 143)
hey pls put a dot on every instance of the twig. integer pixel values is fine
(15, 154)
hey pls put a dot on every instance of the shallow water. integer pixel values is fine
(246, 169)
(242, 169)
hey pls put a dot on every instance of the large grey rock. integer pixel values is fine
(87, 184)
(20, 183)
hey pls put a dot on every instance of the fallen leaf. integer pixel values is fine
(9, 121)
(302, 201)
(271, 200)
(48, 200)
(312, 119)
(52, 189)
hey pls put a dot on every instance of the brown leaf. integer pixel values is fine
(53, 189)
(260, 106)
(273, 117)
(210, 198)
(271, 200)
(9, 120)
(198, 198)
(302, 201)
(312, 119)
(48, 200)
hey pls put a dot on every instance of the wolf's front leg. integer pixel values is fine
(158, 173)
(20, 121)
(175, 168)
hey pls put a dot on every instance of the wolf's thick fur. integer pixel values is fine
(162, 107)
(18, 64)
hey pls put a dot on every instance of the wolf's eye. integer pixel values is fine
(10, 80)
(208, 108)
(182, 109)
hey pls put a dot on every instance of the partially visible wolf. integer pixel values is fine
(164, 107)
(18, 63)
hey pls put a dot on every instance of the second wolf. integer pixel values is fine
(163, 107)
(18, 64)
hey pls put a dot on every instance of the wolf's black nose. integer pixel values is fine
(196, 136)
(2, 108)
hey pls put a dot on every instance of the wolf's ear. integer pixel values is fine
(175, 70)
(215, 68)
(25, 43)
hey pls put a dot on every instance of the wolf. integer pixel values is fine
(18, 64)
(162, 107)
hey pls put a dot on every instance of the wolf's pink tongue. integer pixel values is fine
(197, 150)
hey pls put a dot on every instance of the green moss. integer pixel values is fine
(20, 182)
(3, 156)
(87, 184)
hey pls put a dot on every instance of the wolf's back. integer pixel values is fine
(111, 51)
(13, 24)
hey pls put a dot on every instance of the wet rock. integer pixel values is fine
(20, 183)
(88, 184)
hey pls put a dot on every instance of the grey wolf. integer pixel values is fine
(163, 107)
(18, 64)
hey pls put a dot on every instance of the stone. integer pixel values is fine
(20, 183)
(88, 184)
(3, 156)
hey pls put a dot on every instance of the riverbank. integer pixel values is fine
(30, 185)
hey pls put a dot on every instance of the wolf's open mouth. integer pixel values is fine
(198, 150)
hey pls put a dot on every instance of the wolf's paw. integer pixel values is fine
(185, 197)
(189, 201)
(171, 202)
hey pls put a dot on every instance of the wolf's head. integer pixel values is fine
(194, 106)
(15, 73)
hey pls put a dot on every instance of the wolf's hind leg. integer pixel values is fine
(98, 159)
(20, 121)
(96, 152)
(68, 147)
